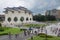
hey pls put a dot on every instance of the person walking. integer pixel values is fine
(9, 35)
(16, 36)
(36, 32)
(28, 32)
(25, 33)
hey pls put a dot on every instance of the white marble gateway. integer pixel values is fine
(13, 15)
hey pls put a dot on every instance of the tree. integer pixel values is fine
(9, 19)
(15, 19)
(42, 18)
(39, 17)
(22, 19)
(0, 24)
(50, 18)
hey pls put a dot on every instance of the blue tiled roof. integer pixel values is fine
(17, 9)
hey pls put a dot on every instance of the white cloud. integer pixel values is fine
(30, 4)
(58, 8)
(11, 3)
(14, 3)
(52, 3)
(42, 4)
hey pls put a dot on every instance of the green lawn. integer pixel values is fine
(40, 38)
(44, 38)
(52, 22)
(34, 25)
(7, 30)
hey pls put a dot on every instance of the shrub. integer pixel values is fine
(0, 24)
(3, 34)
(35, 25)
(22, 29)
(44, 35)
(49, 36)
(1, 29)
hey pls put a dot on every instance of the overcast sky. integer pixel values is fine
(37, 6)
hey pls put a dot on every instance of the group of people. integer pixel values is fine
(27, 32)
(10, 36)
(54, 30)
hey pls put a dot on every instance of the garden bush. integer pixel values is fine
(0, 24)
(34, 25)
(4, 28)
(3, 34)
(44, 35)
(22, 29)
(1, 29)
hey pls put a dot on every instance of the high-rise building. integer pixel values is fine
(53, 12)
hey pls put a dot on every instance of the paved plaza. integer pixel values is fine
(20, 37)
